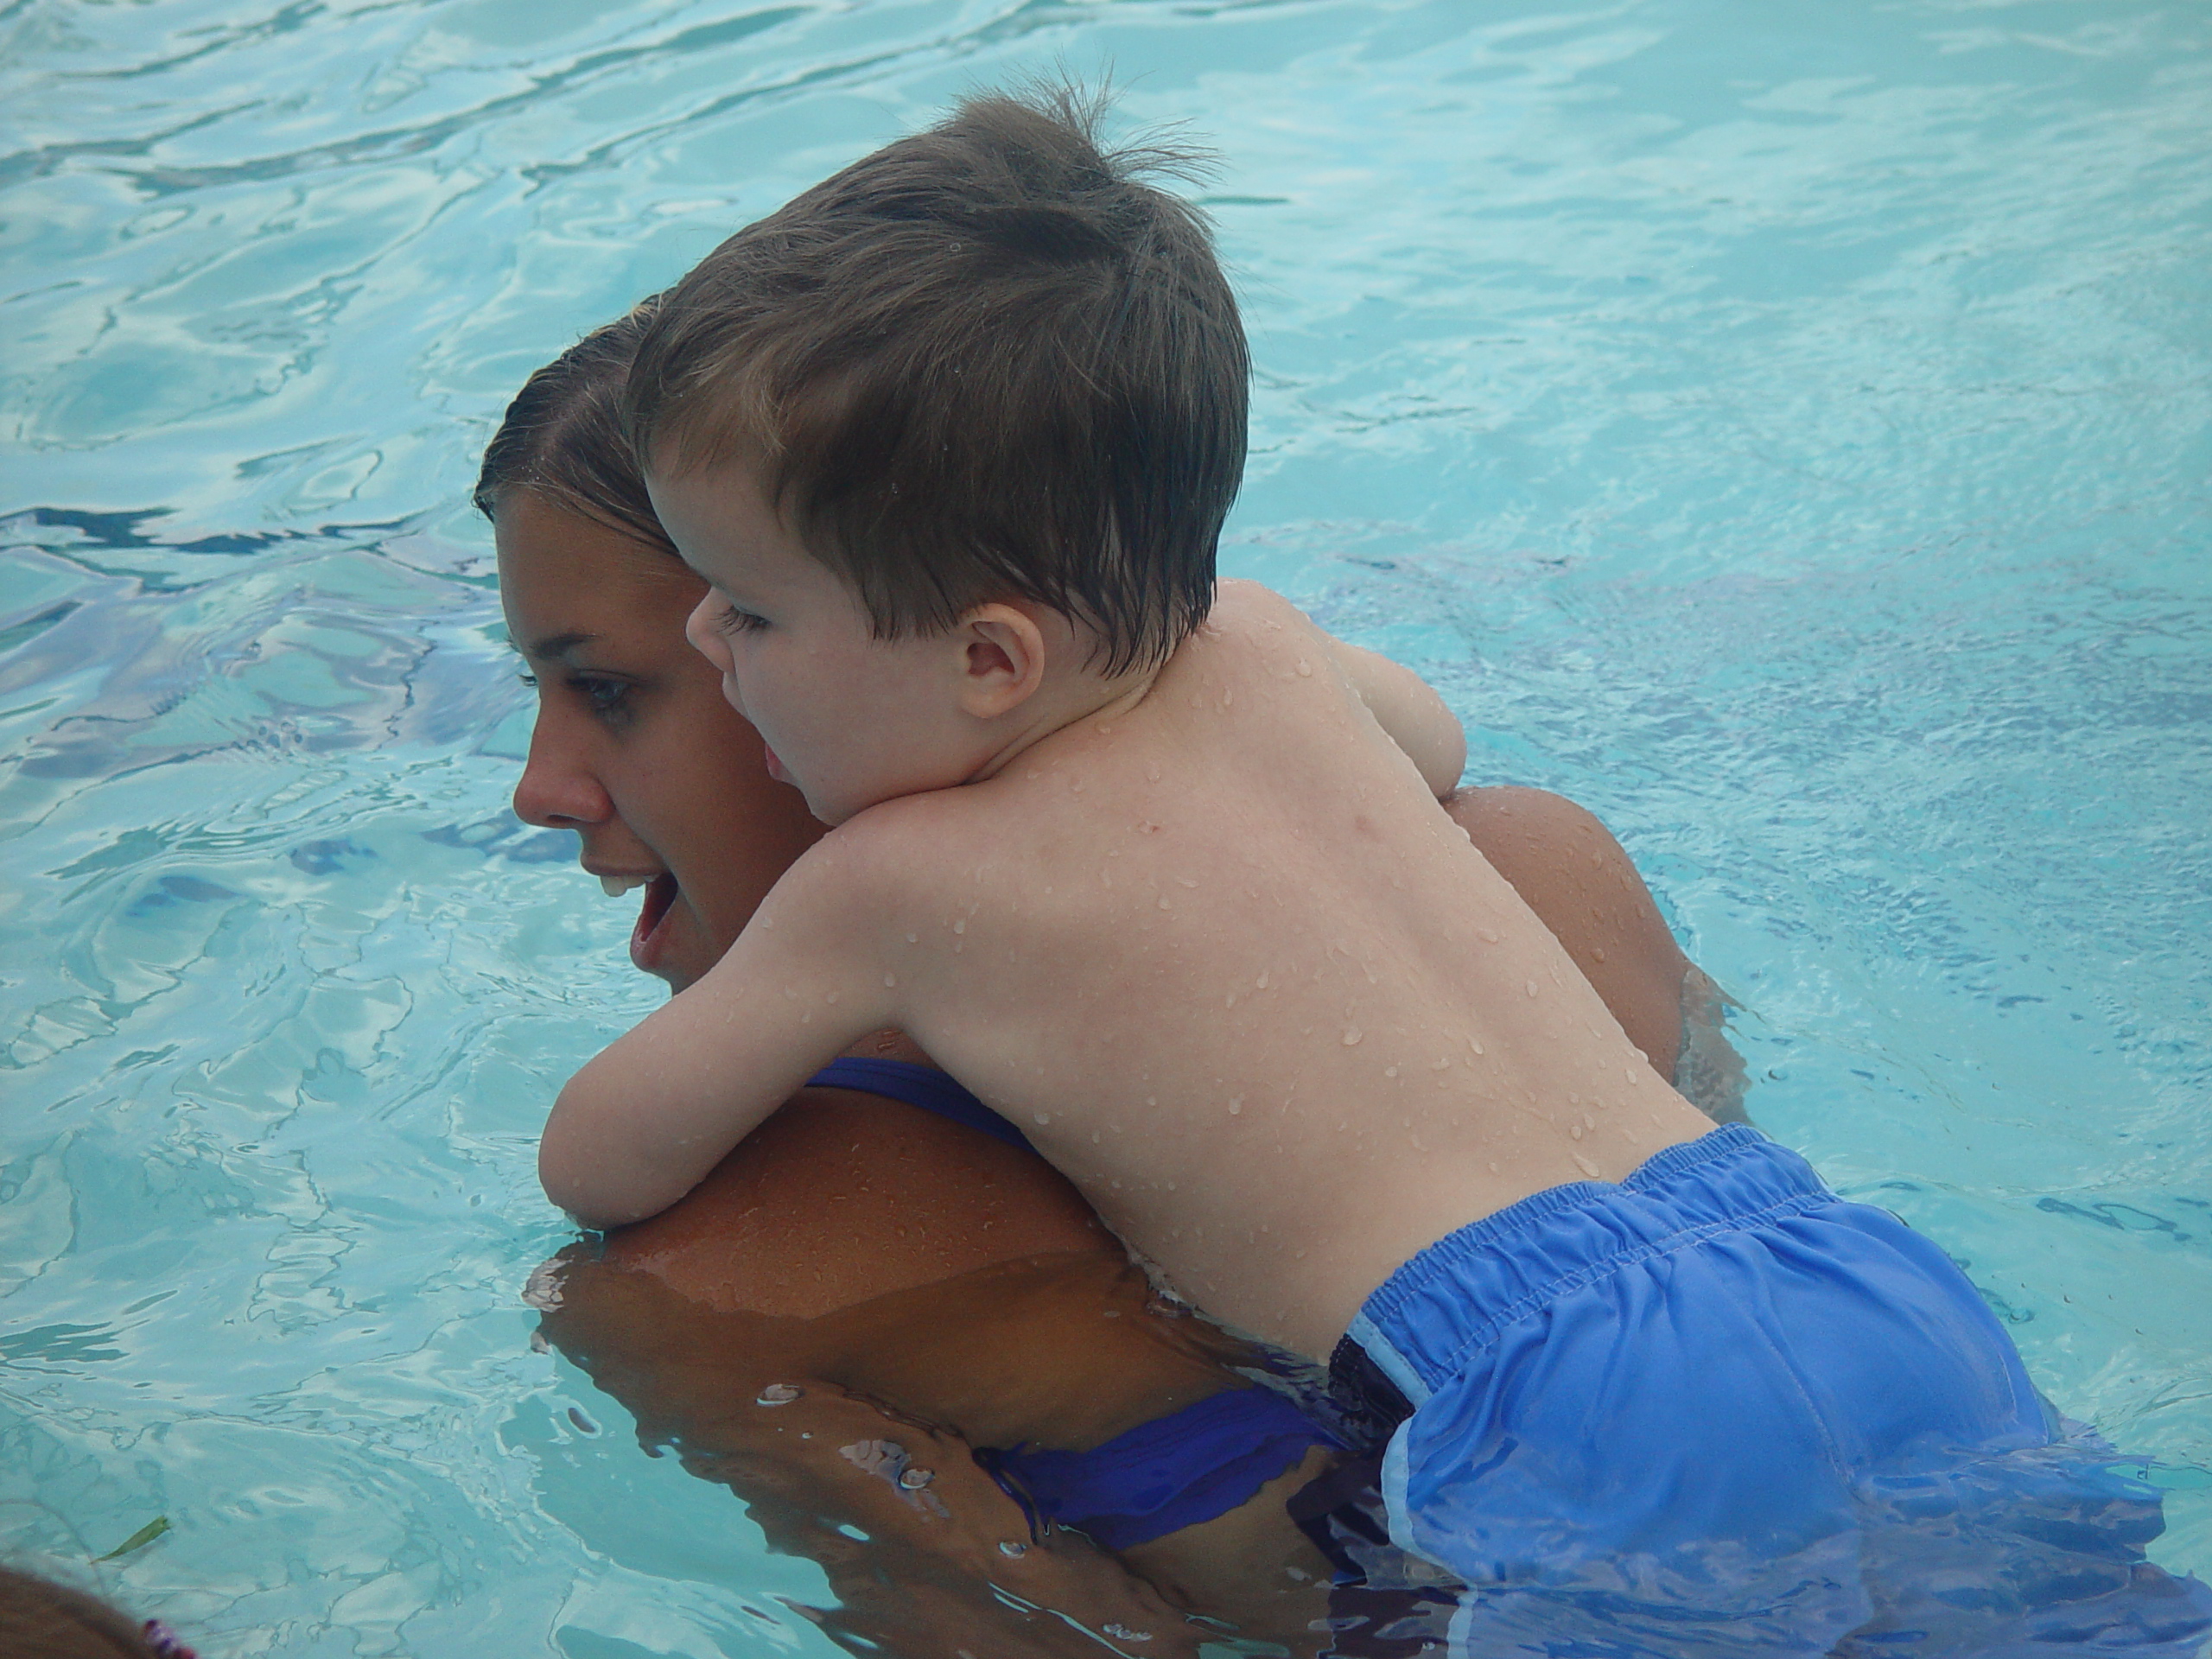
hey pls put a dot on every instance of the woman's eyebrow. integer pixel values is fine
(555, 646)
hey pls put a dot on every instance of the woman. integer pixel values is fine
(894, 1320)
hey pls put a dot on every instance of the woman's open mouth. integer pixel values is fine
(644, 939)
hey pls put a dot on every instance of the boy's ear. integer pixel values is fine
(1001, 660)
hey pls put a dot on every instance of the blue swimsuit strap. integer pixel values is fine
(919, 1085)
(1160, 1476)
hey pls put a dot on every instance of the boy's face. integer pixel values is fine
(850, 719)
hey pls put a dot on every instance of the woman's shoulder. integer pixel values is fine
(1569, 868)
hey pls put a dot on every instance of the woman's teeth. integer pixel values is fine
(615, 886)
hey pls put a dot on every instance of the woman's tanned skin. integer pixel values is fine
(875, 1255)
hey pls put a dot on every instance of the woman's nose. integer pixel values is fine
(558, 790)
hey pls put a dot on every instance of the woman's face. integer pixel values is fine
(635, 748)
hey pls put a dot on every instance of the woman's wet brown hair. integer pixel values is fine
(563, 439)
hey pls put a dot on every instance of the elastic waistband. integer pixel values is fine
(1424, 1323)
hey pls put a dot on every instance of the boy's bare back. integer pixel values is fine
(1220, 954)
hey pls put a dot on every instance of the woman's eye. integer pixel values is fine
(527, 678)
(604, 696)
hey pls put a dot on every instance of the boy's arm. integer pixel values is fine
(644, 1122)
(1412, 715)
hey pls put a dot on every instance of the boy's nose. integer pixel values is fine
(706, 640)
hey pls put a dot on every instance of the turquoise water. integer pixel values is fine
(1785, 428)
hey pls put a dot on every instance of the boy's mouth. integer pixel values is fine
(644, 940)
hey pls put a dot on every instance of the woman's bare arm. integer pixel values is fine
(1567, 868)
(1409, 711)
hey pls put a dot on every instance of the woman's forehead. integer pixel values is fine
(556, 567)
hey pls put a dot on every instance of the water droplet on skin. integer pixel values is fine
(1532, 988)
(913, 939)
(1163, 905)
(806, 1018)
(1042, 1117)
(791, 992)
(1476, 1046)
(890, 981)
(1305, 668)
(914, 1479)
(1151, 770)
(1123, 1633)
(1390, 1071)
(1493, 1165)
(778, 1394)
(1152, 1100)
(1352, 1037)
(960, 925)
(1487, 934)
(831, 997)
(1014, 1551)
(1261, 984)
(1236, 1104)
(1574, 1130)
(1598, 952)
(1586, 1165)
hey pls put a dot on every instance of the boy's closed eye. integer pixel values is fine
(730, 621)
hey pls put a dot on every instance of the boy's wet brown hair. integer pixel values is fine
(988, 361)
(563, 439)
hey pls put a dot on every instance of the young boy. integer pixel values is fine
(1160, 873)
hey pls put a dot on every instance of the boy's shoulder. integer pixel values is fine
(1239, 602)
(1247, 628)
(868, 872)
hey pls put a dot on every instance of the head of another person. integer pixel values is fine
(966, 414)
(634, 747)
(41, 1619)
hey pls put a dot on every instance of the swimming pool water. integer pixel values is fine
(1785, 428)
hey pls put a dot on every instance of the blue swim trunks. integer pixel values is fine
(1717, 1408)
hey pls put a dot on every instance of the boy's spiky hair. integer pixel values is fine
(990, 361)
